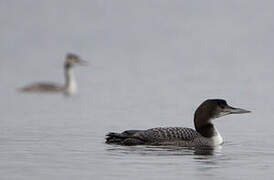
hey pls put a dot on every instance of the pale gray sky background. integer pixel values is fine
(144, 49)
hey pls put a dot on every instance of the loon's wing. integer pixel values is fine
(124, 138)
(154, 136)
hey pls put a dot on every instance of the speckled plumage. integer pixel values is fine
(167, 134)
(154, 136)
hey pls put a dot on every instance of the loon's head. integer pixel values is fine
(72, 59)
(214, 108)
(209, 110)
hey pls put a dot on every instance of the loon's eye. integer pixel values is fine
(221, 105)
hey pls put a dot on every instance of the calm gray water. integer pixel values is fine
(151, 64)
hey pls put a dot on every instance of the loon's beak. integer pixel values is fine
(232, 110)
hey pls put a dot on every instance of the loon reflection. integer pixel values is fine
(70, 86)
(206, 135)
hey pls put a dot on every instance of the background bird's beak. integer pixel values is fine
(82, 62)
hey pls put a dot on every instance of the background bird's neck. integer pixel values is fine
(70, 84)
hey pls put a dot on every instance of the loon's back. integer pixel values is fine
(156, 136)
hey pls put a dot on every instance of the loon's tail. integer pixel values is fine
(125, 138)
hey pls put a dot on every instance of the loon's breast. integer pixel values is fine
(208, 141)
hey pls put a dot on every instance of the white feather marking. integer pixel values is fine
(71, 86)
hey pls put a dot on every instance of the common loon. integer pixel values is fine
(70, 86)
(206, 135)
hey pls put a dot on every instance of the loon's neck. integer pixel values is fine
(70, 82)
(207, 130)
(203, 124)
